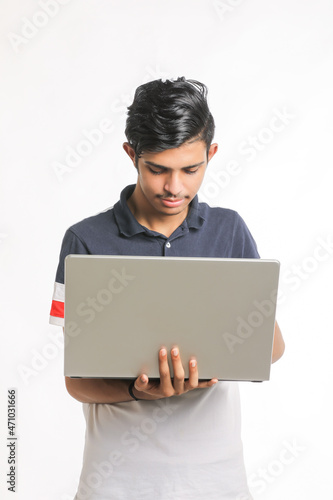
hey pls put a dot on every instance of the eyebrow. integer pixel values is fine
(151, 163)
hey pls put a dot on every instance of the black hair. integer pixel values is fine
(166, 114)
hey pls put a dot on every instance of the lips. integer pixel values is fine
(172, 202)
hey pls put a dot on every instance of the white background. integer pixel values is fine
(80, 66)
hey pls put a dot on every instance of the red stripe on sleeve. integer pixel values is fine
(57, 309)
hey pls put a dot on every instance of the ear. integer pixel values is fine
(212, 151)
(130, 151)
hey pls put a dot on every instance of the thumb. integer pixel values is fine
(141, 383)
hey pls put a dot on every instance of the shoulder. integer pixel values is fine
(93, 224)
(218, 215)
(87, 235)
(228, 227)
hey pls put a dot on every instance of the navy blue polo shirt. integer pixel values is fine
(206, 232)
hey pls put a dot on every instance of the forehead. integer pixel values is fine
(187, 154)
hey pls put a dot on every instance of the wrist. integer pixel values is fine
(133, 392)
(137, 395)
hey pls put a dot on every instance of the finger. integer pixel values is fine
(165, 379)
(193, 378)
(208, 383)
(178, 371)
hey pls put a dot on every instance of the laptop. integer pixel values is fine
(120, 310)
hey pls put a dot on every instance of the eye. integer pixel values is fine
(155, 172)
(190, 172)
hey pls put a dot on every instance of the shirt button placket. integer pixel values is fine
(166, 247)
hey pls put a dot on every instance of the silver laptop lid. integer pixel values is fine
(120, 310)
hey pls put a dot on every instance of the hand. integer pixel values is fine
(166, 387)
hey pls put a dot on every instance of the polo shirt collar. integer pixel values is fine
(129, 226)
(195, 218)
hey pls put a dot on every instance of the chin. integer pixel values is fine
(173, 211)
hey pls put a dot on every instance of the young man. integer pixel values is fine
(172, 438)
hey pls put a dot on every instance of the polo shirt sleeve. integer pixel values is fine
(71, 244)
(244, 245)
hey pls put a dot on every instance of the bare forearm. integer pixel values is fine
(93, 390)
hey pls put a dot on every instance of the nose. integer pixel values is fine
(173, 184)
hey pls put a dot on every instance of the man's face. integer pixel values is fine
(169, 180)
